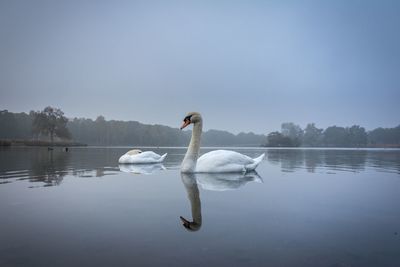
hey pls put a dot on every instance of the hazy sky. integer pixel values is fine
(245, 65)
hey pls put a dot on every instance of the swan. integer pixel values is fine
(136, 156)
(216, 161)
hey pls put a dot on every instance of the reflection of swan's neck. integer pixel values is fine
(194, 198)
(189, 162)
(193, 195)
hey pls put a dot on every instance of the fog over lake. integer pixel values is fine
(110, 112)
(247, 66)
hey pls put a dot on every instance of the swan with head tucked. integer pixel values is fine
(136, 156)
(216, 161)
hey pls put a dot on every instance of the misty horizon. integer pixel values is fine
(244, 66)
(218, 129)
(204, 133)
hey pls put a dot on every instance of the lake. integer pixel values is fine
(303, 207)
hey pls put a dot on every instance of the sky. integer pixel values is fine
(244, 65)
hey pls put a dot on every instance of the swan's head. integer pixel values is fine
(134, 152)
(191, 117)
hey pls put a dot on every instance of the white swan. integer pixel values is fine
(215, 161)
(136, 156)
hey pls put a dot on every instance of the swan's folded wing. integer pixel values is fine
(223, 161)
(142, 158)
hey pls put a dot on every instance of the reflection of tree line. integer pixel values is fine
(290, 160)
(48, 167)
(334, 159)
(51, 166)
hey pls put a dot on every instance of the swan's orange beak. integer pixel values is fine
(185, 123)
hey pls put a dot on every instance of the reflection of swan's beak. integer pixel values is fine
(190, 226)
(185, 222)
(185, 123)
(257, 177)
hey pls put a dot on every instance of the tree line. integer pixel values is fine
(35, 128)
(292, 135)
(51, 124)
(128, 133)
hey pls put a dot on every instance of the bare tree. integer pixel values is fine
(52, 122)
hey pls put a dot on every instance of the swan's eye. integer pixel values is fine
(187, 118)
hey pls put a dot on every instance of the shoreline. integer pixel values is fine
(39, 143)
(28, 143)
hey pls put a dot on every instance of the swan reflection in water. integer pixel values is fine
(141, 168)
(189, 181)
(214, 182)
(226, 181)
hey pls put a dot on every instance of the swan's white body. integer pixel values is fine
(226, 161)
(141, 157)
(218, 161)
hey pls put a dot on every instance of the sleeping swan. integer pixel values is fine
(216, 161)
(136, 156)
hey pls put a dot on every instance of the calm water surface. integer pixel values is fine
(303, 207)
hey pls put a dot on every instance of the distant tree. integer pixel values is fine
(354, 136)
(377, 136)
(357, 136)
(102, 129)
(249, 139)
(312, 135)
(293, 131)
(52, 122)
(15, 125)
(387, 136)
(215, 138)
(335, 136)
(276, 139)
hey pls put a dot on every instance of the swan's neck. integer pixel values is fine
(190, 160)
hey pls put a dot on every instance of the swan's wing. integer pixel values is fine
(142, 158)
(125, 159)
(223, 161)
(149, 154)
(226, 157)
